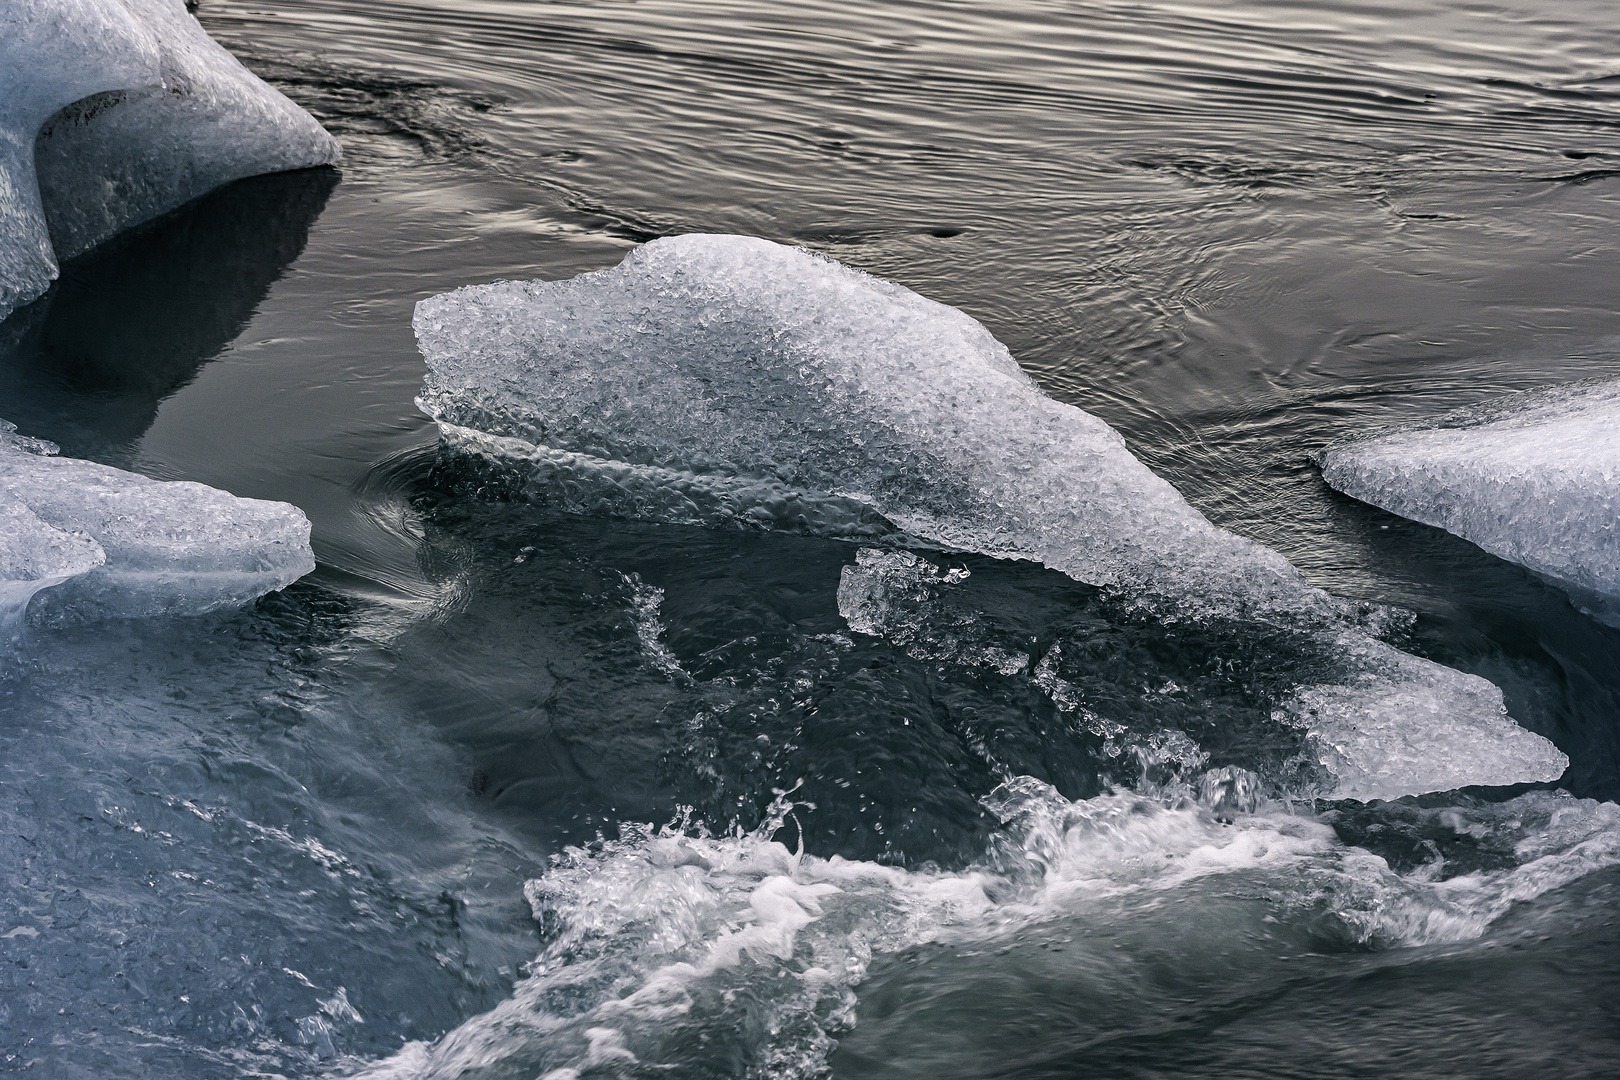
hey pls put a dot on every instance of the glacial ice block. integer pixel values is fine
(1534, 479)
(115, 111)
(734, 363)
(714, 378)
(127, 545)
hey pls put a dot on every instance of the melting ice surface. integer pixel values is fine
(1534, 479)
(129, 545)
(716, 379)
(115, 111)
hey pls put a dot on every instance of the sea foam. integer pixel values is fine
(668, 947)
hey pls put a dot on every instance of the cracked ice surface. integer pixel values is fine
(115, 111)
(1534, 479)
(127, 545)
(725, 379)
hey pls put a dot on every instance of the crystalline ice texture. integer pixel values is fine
(733, 364)
(1400, 725)
(733, 359)
(127, 545)
(115, 111)
(1534, 479)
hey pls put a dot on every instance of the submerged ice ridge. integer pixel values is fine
(115, 111)
(1534, 479)
(121, 544)
(714, 379)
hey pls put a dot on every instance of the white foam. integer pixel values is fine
(1534, 479)
(128, 545)
(669, 939)
(727, 379)
(115, 111)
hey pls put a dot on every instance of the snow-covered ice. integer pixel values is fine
(1534, 479)
(707, 378)
(115, 111)
(113, 542)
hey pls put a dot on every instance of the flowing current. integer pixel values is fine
(571, 760)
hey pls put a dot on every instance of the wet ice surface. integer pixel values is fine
(113, 112)
(105, 542)
(1234, 232)
(727, 380)
(1533, 478)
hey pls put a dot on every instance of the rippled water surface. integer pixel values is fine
(404, 816)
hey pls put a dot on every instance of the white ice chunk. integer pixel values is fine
(1401, 725)
(115, 111)
(705, 368)
(1534, 479)
(128, 545)
(728, 359)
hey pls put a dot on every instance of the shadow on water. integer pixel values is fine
(131, 322)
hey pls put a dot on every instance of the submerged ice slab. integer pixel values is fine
(128, 545)
(115, 111)
(1534, 479)
(716, 378)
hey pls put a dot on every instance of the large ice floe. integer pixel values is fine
(1534, 478)
(725, 379)
(115, 111)
(116, 543)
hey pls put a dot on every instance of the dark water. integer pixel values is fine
(1233, 231)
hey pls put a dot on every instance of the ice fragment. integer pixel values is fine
(1534, 479)
(708, 377)
(128, 545)
(115, 111)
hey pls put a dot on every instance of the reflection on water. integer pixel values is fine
(132, 321)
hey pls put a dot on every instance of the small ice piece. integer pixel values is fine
(1401, 725)
(115, 111)
(1534, 479)
(116, 543)
(703, 372)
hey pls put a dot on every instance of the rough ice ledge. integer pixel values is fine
(1534, 479)
(113, 112)
(703, 372)
(113, 542)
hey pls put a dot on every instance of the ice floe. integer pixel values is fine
(1534, 478)
(115, 111)
(752, 376)
(114, 542)
(718, 379)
